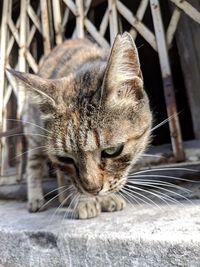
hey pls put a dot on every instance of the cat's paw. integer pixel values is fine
(35, 204)
(112, 203)
(88, 208)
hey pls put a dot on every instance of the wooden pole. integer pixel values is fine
(176, 137)
(57, 21)
(113, 22)
(4, 37)
(45, 26)
(80, 19)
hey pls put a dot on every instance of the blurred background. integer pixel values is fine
(167, 34)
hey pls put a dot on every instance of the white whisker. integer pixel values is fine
(168, 197)
(161, 183)
(151, 155)
(161, 188)
(166, 169)
(31, 123)
(45, 204)
(163, 122)
(29, 151)
(163, 176)
(128, 188)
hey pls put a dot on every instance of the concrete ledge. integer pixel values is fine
(140, 236)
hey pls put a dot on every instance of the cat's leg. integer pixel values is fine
(35, 169)
(89, 207)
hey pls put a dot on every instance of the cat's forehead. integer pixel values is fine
(81, 137)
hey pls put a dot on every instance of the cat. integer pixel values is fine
(96, 118)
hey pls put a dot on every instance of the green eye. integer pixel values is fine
(112, 152)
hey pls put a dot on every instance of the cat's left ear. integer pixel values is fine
(39, 90)
(123, 77)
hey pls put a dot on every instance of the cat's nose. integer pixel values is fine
(95, 190)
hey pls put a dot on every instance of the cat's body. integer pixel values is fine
(96, 118)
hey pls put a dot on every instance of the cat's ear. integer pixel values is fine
(38, 90)
(123, 77)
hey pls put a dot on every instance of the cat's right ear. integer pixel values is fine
(123, 82)
(39, 90)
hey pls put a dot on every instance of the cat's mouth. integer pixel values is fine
(95, 191)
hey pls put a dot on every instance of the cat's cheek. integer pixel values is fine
(67, 169)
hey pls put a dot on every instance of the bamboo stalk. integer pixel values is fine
(4, 37)
(34, 17)
(93, 31)
(22, 50)
(45, 26)
(3, 40)
(31, 61)
(12, 39)
(113, 22)
(57, 21)
(139, 15)
(32, 30)
(176, 138)
(188, 9)
(138, 25)
(173, 26)
(71, 6)
(80, 19)
(104, 23)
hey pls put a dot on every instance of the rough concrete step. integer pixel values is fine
(140, 236)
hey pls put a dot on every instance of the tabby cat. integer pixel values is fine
(94, 119)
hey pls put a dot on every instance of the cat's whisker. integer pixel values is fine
(161, 183)
(164, 121)
(69, 208)
(61, 205)
(149, 192)
(133, 195)
(19, 134)
(161, 188)
(130, 189)
(49, 201)
(151, 155)
(124, 195)
(31, 123)
(39, 147)
(163, 176)
(56, 189)
(175, 201)
(166, 169)
(73, 215)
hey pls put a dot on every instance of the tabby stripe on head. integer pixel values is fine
(65, 57)
(97, 139)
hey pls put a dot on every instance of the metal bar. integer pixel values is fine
(174, 126)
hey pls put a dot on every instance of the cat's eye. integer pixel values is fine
(112, 152)
(66, 160)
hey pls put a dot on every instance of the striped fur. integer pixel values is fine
(87, 101)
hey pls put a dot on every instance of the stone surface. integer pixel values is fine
(138, 236)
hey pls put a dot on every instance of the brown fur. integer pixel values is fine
(90, 103)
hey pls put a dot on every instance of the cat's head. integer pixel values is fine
(98, 118)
